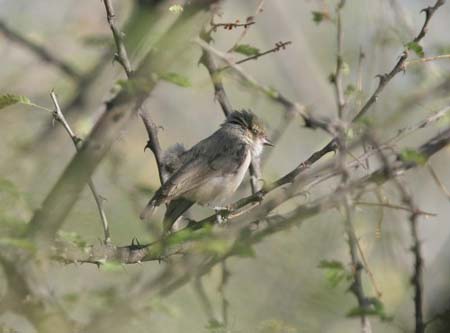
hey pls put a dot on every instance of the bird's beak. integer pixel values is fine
(267, 142)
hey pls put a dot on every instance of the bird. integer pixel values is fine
(211, 171)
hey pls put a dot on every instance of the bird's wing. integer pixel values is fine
(211, 157)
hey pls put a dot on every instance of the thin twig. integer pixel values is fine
(427, 59)
(59, 116)
(278, 46)
(337, 78)
(259, 9)
(275, 95)
(388, 205)
(438, 181)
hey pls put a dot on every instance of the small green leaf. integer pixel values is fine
(177, 79)
(72, 237)
(417, 48)
(246, 49)
(411, 155)
(350, 89)
(318, 17)
(335, 272)
(245, 250)
(345, 68)
(176, 9)
(9, 99)
(376, 308)
(111, 266)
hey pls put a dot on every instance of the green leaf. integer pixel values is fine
(177, 79)
(177, 9)
(350, 89)
(245, 250)
(376, 309)
(111, 266)
(318, 17)
(246, 49)
(417, 48)
(9, 99)
(214, 246)
(72, 237)
(411, 155)
(335, 272)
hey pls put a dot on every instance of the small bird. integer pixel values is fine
(211, 171)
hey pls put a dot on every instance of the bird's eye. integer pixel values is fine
(255, 131)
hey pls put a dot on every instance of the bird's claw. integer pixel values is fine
(222, 214)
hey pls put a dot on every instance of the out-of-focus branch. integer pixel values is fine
(219, 91)
(427, 59)
(438, 181)
(417, 276)
(59, 116)
(41, 52)
(337, 77)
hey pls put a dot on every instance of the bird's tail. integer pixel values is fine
(148, 210)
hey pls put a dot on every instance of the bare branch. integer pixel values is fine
(59, 116)
(121, 55)
(41, 52)
(153, 143)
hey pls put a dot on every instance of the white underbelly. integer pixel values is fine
(218, 189)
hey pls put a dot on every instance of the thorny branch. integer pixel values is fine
(121, 56)
(384, 79)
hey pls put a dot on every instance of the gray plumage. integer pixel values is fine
(211, 170)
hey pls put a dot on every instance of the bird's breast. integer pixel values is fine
(218, 189)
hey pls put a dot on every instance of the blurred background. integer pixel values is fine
(281, 289)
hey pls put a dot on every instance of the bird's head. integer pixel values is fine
(253, 128)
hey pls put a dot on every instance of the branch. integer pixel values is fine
(384, 79)
(259, 9)
(427, 59)
(153, 143)
(337, 78)
(41, 52)
(278, 46)
(121, 56)
(290, 107)
(59, 116)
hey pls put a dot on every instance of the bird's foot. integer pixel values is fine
(222, 214)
